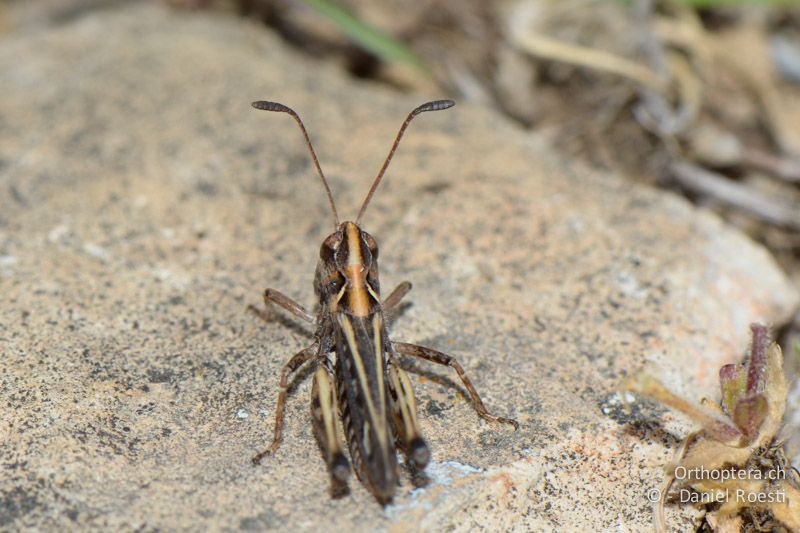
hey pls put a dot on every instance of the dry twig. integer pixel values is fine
(552, 49)
(718, 187)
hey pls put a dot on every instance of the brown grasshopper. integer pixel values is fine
(357, 364)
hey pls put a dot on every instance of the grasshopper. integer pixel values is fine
(357, 368)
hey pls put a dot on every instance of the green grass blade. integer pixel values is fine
(382, 45)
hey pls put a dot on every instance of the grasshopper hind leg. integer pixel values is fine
(404, 414)
(326, 429)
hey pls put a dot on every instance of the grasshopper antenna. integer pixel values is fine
(436, 105)
(274, 106)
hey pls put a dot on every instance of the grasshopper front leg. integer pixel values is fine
(443, 359)
(326, 429)
(272, 296)
(396, 295)
(294, 363)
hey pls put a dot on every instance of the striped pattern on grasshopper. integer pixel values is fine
(358, 372)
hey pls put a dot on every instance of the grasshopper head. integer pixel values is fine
(349, 267)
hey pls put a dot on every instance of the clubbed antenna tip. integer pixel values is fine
(271, 106)
(436, 105)
(275, 106)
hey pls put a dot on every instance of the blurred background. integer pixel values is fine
(698, 96)
(701, 97)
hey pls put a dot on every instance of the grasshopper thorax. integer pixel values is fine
(347, 273)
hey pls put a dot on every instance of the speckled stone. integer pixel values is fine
(144, 205)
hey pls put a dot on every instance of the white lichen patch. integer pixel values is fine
(97, 251)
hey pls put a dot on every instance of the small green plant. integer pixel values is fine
(734, 465)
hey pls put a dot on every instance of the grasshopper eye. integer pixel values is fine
(329, 247)
(371, 245)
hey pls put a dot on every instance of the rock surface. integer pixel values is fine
(144, 205)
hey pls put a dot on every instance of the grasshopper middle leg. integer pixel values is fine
(443, 359)
(294, 363)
